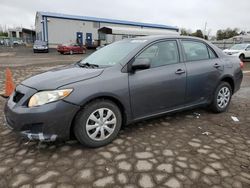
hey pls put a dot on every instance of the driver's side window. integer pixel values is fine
(161, 53)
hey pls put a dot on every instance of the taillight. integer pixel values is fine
(241, 64)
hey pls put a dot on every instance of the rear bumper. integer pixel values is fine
(48, 122)
(238, 80)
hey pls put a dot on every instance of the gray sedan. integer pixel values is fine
(124, 82)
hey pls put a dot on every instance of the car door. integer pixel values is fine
(247, 53)
(203, 70)
(75, 48)
(162, 86)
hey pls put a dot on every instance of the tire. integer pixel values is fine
(222, 98)
(34, 51)
(71, 52)
(90, 115)
(242, 57)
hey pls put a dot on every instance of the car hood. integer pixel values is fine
(232, 51)
(56, 78)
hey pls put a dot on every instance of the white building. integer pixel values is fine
(24, 34)
(61, 28)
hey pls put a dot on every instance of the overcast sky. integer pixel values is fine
(190, 14)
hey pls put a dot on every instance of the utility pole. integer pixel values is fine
(205, 30)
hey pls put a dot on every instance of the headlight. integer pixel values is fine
(45, 97)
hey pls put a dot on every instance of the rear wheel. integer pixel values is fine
(221, 98)
(98, 123)
(242, 57)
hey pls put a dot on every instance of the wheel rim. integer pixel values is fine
(101, 124)
(223, 97)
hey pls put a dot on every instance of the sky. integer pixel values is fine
(189, 14)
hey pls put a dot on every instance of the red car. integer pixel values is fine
(71, 49)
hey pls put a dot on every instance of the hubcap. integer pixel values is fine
(101, 124)
(223, 97)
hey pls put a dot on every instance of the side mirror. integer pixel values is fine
(140, 64)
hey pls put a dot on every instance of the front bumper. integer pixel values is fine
(48, 122)
(40, 49)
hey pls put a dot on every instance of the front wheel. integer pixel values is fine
(98, 123)
(221, 98)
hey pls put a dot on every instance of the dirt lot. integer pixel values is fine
(189, 149)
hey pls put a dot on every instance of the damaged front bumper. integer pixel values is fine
(39, 136)
(48, 122)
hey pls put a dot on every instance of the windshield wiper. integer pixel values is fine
(87, 65)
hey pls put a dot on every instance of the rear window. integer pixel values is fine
(195, 51)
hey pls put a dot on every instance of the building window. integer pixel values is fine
(96, 25)
(14, 34)
(102, 36)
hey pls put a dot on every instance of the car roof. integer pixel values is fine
(153, 38)
(159, 37)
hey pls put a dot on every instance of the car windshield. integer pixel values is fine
(38, 42)
(112, 54)
(239, 47)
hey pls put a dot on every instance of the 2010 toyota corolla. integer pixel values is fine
(124, 82)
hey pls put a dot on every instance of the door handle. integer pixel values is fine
(216, 65)
(180, 71)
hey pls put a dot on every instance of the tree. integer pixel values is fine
(198, 33)
(227, 33)
(4, 34)
(184, 32)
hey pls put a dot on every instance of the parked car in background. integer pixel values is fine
(71, 49)
(240, 50)
(40, 46)
(121, 83)
(18, 42)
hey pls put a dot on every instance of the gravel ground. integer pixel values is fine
(194, 148)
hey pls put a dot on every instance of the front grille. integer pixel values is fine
(17, 96)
